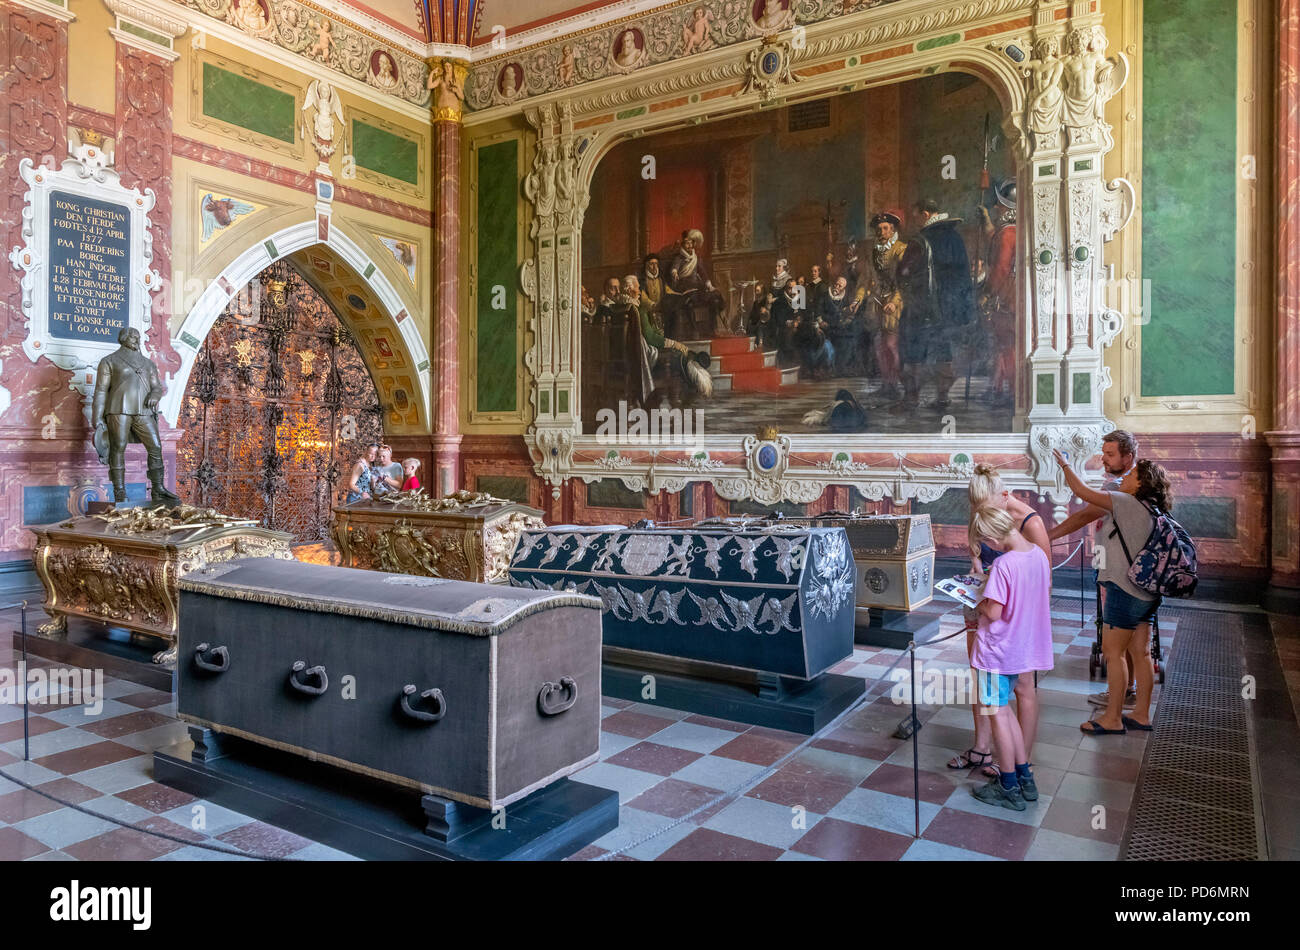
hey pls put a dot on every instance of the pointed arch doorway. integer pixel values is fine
(278, 406)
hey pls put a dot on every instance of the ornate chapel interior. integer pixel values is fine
(633, 270)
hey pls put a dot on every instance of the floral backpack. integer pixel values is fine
(1166, 565)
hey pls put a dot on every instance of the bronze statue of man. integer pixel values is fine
(125, 409)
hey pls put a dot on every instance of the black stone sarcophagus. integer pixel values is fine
(776, 600)
(475, 693)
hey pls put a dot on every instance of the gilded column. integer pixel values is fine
(1284, 439)
(447, 83)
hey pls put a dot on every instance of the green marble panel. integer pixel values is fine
(385, 152)
(1044, 389)
(936, 41)
(952, 507)
(611, 493)
(498, 264)
(514, 487)
(1207, 517)
(1189, 174)
(1082, 392)
(248, 103)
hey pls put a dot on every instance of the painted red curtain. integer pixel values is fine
(676, 199)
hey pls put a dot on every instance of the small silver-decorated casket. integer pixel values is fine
(775, 599)
(895, 560)
(477, 693)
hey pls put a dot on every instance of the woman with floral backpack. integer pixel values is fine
(1131, 517)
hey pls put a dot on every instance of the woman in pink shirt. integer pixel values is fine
(1009, 641)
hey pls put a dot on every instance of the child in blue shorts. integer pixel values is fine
(1013, 637)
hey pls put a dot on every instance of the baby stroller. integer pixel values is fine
(1097, 661)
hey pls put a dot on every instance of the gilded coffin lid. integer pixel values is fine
(418, 506)
(429, 602)
(139, 532)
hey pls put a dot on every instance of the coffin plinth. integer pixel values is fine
(121, 567)
(464, 536)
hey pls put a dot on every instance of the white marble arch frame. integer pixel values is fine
(256, 258)
(1060, 345)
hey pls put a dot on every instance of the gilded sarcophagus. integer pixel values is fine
(122, 567)
(894, 555)
(464, 536)
(776, 600)
(476, 693)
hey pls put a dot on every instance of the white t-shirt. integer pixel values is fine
(1136, 523)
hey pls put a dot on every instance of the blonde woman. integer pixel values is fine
(1008, 642)
(986, 489)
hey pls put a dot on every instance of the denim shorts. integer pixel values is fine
(1121, 609)
(994, 688)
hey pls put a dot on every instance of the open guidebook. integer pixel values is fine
(967, 589)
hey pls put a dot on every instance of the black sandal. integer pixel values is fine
(986, 758)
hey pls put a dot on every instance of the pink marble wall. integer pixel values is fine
(446, 328)
(144, 159)
(33, 124)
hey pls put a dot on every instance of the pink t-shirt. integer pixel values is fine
(1020, 642)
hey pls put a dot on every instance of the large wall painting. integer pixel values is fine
(844, 264)
(973, 340)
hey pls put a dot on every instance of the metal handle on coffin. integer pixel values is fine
(419, 715)
(545, 698)
(220, 654)
(300, 669)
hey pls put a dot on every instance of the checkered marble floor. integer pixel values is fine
(846, 796)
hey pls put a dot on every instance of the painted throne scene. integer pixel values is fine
(846, 264)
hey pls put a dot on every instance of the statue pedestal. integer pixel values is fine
(120, 568)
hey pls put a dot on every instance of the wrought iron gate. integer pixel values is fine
(278, 408)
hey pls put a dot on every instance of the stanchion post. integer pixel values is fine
(916, 762)
(22, 626)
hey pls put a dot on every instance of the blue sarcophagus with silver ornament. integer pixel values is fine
(775, 599)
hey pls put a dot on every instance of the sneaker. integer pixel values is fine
(1029, 788)
(992, 793)
(1101, 699)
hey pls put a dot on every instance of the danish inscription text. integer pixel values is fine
(90, 267)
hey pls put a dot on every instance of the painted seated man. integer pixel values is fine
(654, 287)
(689, 276)
(843, 328)
(609, 301)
